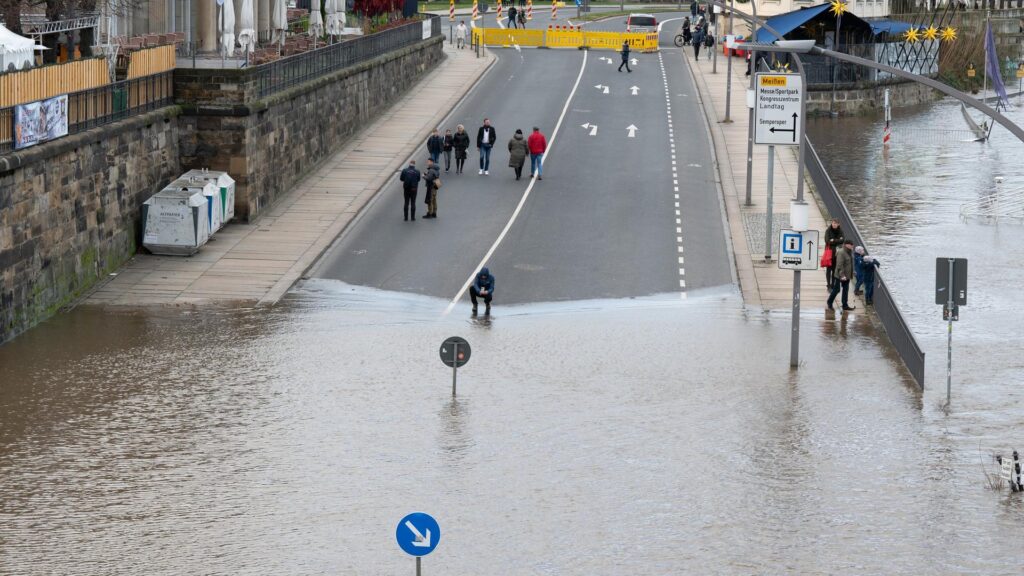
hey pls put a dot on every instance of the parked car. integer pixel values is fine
(641, 23)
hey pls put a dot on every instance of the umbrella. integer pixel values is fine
(226, 26)
(316, 20)
(335, 16)
(247, 27)
(279, 20)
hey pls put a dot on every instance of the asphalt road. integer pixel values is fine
(606, 221)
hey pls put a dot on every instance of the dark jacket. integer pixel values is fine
(698, 36)
(430, 176)
(867, 268)
(484, 280)
(834, 238)
(512, 13)
(435, 144)
(480, 136)
(625, 52)
(448, 142)
(844, 264)
(461, 142)
(410, 178)
(517, 151)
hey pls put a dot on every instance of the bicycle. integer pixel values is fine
(680, 41)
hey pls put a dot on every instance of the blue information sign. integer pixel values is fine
(418, 534)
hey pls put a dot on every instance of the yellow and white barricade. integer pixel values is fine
(556, 36)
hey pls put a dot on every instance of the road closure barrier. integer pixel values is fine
(566, 37)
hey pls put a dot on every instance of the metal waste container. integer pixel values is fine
(224, 183)
(175, 222)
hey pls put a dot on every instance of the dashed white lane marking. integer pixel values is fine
(675, 176)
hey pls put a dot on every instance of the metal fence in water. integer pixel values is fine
(294, 70)
(103, 105)
(888, 312)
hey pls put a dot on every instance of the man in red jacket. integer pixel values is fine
(537, 145)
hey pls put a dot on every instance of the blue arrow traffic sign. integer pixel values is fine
(418, 534)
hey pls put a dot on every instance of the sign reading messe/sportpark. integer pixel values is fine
(777, 120)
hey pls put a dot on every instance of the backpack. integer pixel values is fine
(709, 40)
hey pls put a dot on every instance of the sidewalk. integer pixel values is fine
(762, 283)
(260, 261)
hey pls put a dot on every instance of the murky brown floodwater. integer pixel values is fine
(651, 436)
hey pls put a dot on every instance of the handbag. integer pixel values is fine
(826, 257)
(437, 184)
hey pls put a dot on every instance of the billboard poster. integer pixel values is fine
(37, 122)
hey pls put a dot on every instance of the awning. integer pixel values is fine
(786, 23)
(892, 27)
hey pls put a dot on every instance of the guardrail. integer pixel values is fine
(888, 312)
(294, 70)
(103, 105)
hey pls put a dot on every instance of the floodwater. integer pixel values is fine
(639, 436)
(907, 203)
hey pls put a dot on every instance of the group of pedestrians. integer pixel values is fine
(516, 17)
(699, 35)
(842, 263)
(457, 144)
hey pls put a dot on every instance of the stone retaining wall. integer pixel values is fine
(69, 211)
(854, 100)
(269, 144)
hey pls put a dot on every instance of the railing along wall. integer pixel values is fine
(149, 61)
(103, 105)
(888, 312)
(40, 83)
(294, 70)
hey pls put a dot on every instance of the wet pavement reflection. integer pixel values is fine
(641, 436)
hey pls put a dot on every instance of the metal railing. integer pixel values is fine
(294, 70)
(888, 312)
(98, 106)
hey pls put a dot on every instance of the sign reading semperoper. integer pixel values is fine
(777, 120)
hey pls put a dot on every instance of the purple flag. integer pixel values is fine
(992, 66)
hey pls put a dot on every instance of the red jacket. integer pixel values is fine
(537, 143)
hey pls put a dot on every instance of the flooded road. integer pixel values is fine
(907, 204)
(636, 436)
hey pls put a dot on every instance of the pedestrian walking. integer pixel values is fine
(517, 151)
(867, 272)
(522, 19)
(843, 274)
(625, 57)
(833, 241)
(448, 145)
(483, 287)
(693, 10)
(485, 138)
(460, 34)
(435, 145)
(410, 178)
(538, 145)
(460, 142)
(858, 260)
(697, 41)
(512, 12)
(709, 41)
(432, 181)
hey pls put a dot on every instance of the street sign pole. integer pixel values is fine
(728, 68)
(455, 377)
(768, 206)
(949, 337)
(419, 567)
(951, 293)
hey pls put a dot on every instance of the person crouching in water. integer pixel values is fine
(483, 287)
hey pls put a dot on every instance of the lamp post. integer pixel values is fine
(728, 69)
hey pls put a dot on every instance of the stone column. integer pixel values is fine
(206, 25)
(263, 22)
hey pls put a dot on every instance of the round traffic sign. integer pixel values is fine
(455, 352)
(418, 534)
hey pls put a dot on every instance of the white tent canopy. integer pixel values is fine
(279, 20)
(247, 27)
(335, 10)
(15, 50)
(226, 25)
(316, 21)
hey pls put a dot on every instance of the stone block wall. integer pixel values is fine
(269, 144)
(856, 100)
(69, 211)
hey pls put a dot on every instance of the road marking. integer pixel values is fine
(604, 89)
(526, 193)
(591, 127)
(675, 169)
(632, 130)
(635, 89)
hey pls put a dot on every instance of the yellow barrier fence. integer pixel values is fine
(149, 61)
(567, 37)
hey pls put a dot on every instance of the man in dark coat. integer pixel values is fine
(485, 138)
(410, 178)
(435, 144)
(430, 179)
(843, 274)
(833, 239)
(625, 57)
(483, 287)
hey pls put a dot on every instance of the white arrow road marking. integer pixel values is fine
(420, 541)
(632, 130)
(634, 61)
(635, 89)
(592, 127)
(603, 89)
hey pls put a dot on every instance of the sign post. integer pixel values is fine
(418, 535)
(777, 122)
(951, 293)
(455, 353)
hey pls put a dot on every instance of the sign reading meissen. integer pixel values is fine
(777, 109)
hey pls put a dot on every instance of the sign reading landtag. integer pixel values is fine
(418, 534)
(777, 99)
(798, 250)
